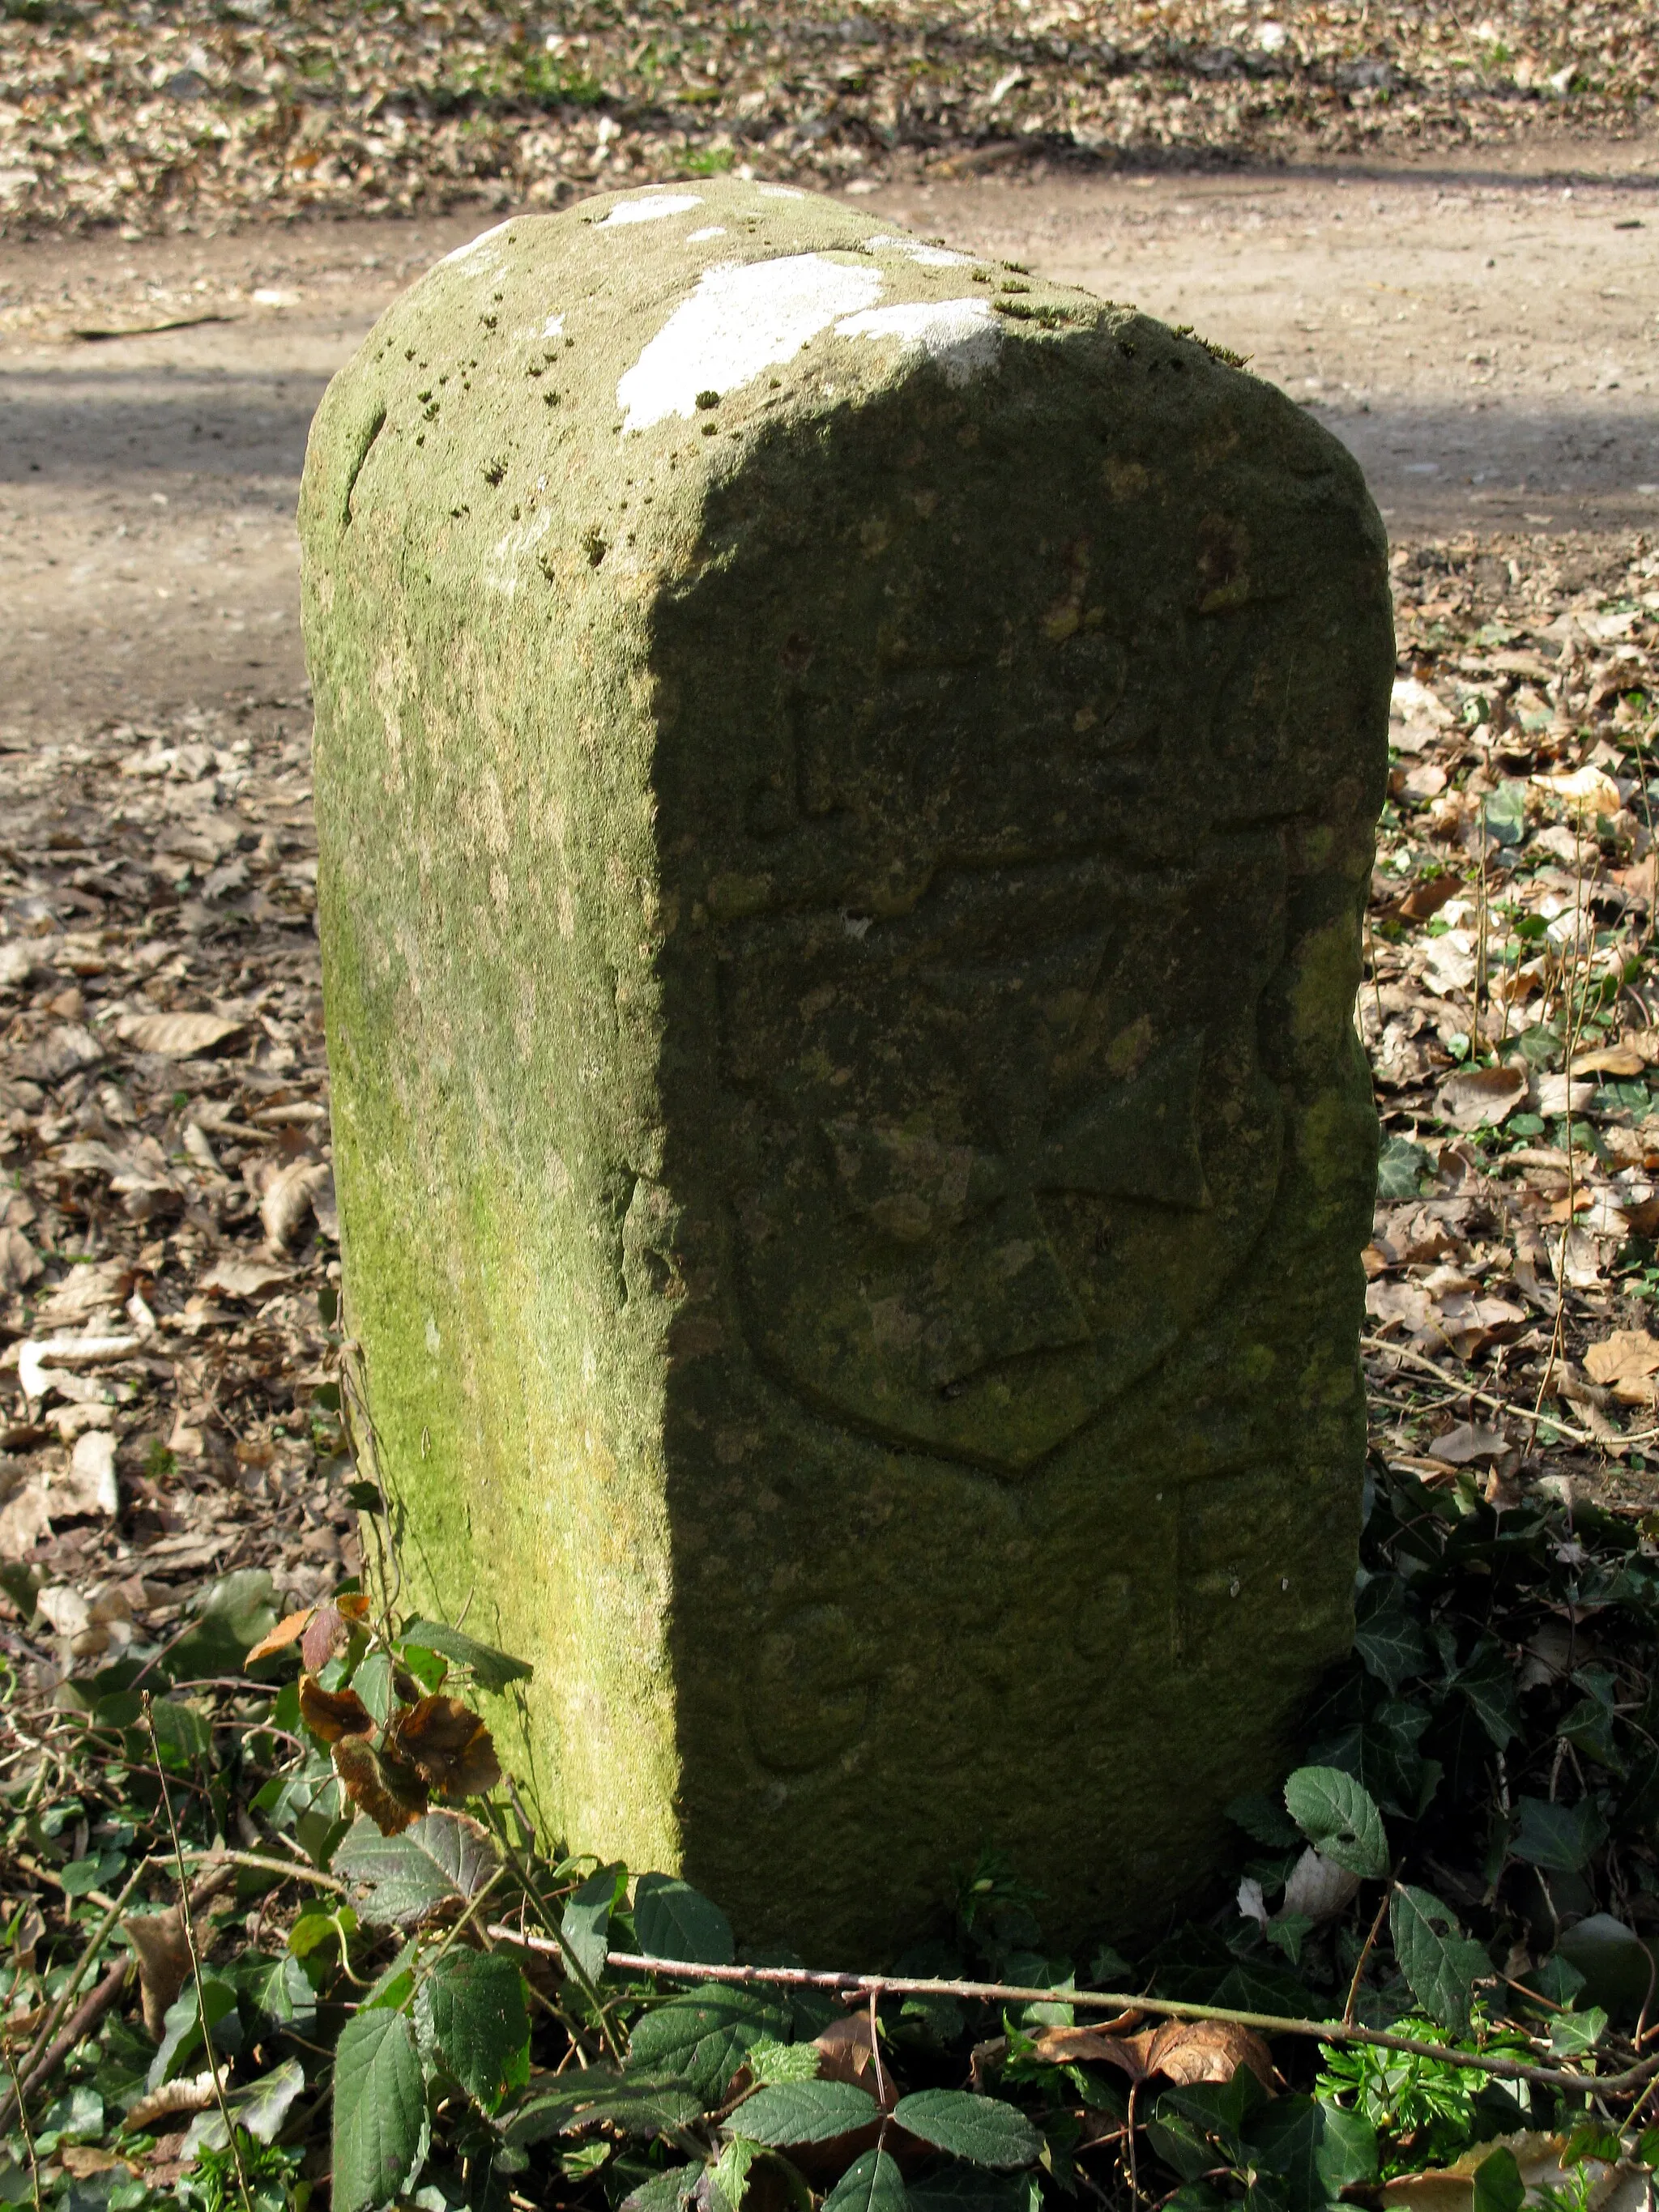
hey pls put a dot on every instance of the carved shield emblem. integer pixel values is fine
(1004, 1148)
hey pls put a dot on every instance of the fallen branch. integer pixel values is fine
(1323, 2031)
(80, 2025)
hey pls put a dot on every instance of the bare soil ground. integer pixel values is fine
(1484, 337)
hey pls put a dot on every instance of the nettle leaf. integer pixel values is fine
(982, 2129)
(1338, 1817)
(783, 2062)
(728, 2178)
(872, 2183)
(704, 2036)
(1438, 1960)
(1560, 1839)
(380, 2130)
(663, 2193)
(471, 2010)
(674, 1920)
(787, 2113)
(436, 1860)
(492, 1669)
(638, 2104)
(585, 1926)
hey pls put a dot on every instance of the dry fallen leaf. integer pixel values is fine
(178, 1036)
(1478, 1096)
(1587, 790)
(1182, 2050)
(1465, 1443)
(287, 1200)
(163, 1956)
(244, 1278)
(1628, 1355)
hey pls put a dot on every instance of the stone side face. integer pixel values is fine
(846, 788)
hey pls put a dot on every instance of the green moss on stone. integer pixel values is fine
(840, 938)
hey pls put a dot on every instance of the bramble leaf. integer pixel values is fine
(1340, 1817)
(788, 2112)
(674, 1920)
(982, 2129)
(442, 1858)
(493, 1669)
(872, 2183)
(379, 2111)
(471, 2010)
(1438, 1960)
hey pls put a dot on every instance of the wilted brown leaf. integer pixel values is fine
(390, 1793)
(287, 1631)
(331, 1715)
(163, 1956)
(1182, 2050)
(447, 1744)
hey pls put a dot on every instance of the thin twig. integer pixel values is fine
(1365, 1953)
(1323, 2031)
(22, 2103)
(214, 2064)
(279, 1867)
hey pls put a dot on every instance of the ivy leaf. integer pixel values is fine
(379, 2111)
(1438, 1960)
(1560, 1839)
(702, 2036)
(492, 1669)
(1488, 1682)
(1388, 1640)
(674, 1920)
(788, 2112)
(1288, 2137)
(471, 2010)
(872, 2183)
(982, 2129)
(440, 1858)
(1338, 1817)
(585, 1926)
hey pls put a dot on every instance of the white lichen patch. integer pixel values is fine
(708, 230)
(739, 322)
(652, 210)
(779, 192)
(930, 257)
(553, 327)
(507, 555)
(473, 245)
(962, 336)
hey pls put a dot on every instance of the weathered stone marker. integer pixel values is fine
(845, 776)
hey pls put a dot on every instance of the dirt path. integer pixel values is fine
(1485, 340)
